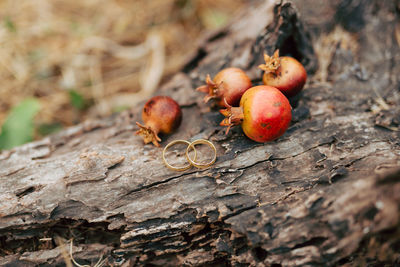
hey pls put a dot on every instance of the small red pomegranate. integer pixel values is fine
(228, 84)
(285, 73)
(161, 114)
(264, 113)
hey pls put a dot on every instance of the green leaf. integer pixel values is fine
(10, 25)
(49, 128)
(76, 100)
(18, 127)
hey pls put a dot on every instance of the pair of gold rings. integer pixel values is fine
(191, 161)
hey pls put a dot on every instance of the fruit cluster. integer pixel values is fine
(263, 111)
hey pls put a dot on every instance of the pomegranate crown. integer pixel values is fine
(272, 63)
(212, 88)
(148, 134)
(234, 116)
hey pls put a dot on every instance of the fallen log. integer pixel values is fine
(326, 193)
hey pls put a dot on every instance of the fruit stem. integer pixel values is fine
(272, 64)
(234, 116)
(148, 133)
(211, 88)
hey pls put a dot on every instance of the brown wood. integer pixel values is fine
(325, 193)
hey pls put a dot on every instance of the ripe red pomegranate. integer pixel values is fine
(264, 114)
(228, 84)
(285, 73)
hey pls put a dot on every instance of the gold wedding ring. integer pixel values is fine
(179, 168)
(193, 161)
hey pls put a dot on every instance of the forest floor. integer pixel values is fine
(87, 59)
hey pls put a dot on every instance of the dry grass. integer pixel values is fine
(113, 52)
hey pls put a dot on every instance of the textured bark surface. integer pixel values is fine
(326, 193)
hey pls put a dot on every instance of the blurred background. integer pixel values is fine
(63, 61)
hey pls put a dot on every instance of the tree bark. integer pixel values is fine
(326, 193)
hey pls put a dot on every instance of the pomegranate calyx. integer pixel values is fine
(234, 116)
(148, 134)
(203, 89)
(212, 88)
(272, 64)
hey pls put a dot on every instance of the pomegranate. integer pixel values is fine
(161, 114)
(228, 84)
(264, 114)
(285, 73)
